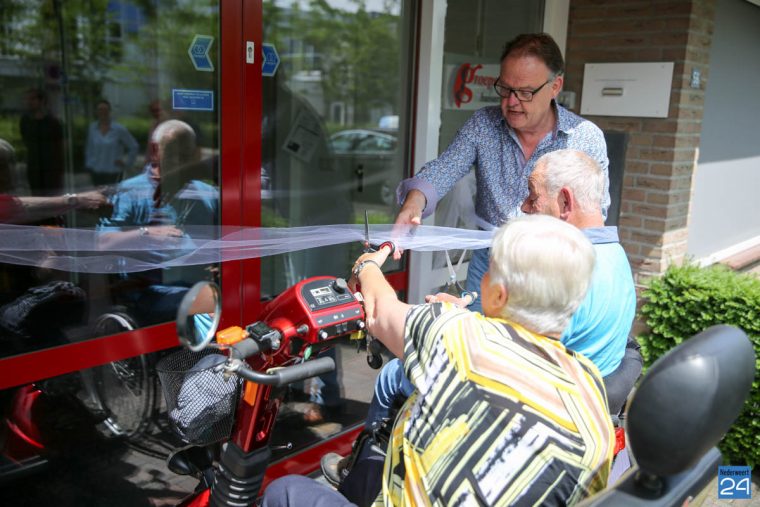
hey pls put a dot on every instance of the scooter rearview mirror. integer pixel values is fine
(202, 300)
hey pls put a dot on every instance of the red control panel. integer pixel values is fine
(315, 310)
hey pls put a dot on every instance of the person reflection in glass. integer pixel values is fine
(110, 148)
(37, 305)
(158, 116)
(42, 134)
(153, 209)
(21, 210)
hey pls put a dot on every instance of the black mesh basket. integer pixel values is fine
(199, 401)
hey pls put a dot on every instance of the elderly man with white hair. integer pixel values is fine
(502, 412)
(159, 210)
(569, 185)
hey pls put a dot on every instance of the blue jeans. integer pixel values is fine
(326, 389)
(478, 267)
(156, 303)
(297, 491)
(390, 384)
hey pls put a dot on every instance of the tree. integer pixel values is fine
(358, 52)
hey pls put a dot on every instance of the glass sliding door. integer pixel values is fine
(335, 123)
(110, 138)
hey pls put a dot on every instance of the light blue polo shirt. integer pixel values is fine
(600, 326)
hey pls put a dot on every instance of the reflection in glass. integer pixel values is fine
(334, 119)
(85, 87)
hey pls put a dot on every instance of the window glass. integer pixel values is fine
(86, 85)
(339, 98)
(334, 144)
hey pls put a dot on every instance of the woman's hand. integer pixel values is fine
(378, 257)
(384, 314)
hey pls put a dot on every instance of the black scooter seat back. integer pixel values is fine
(688, 400)
(684, 405)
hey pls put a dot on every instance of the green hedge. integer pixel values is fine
(688, 299)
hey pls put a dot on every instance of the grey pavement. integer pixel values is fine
(709, 496)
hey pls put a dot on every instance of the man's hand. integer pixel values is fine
(410, 214)
(445, 297)
(91, 200)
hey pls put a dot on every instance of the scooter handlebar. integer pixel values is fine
(289, 374)
(245, 348)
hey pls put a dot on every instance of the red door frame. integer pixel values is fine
(250, 180)
(240, 155)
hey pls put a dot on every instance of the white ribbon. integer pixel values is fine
(80, 250)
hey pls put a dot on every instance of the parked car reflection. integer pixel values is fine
(368, 155)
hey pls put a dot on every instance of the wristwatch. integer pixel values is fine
(71, 200)
(358, 268)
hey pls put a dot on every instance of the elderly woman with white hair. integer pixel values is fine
(502, 413)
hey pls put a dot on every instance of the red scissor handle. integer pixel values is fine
(389, 245)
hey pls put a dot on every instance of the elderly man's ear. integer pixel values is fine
(566, 203)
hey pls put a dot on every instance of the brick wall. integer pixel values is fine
(661, 154)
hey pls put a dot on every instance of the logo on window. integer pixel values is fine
(465, 75)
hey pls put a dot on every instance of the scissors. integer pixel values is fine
(368, 247)
(374, 357)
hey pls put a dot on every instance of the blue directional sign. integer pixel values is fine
(198, 52)
(271, 60)
(193, 100)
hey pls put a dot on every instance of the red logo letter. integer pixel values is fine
(465, 74)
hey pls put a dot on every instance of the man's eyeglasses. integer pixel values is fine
(522, 95)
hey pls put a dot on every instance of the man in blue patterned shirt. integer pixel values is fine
(504, 142)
